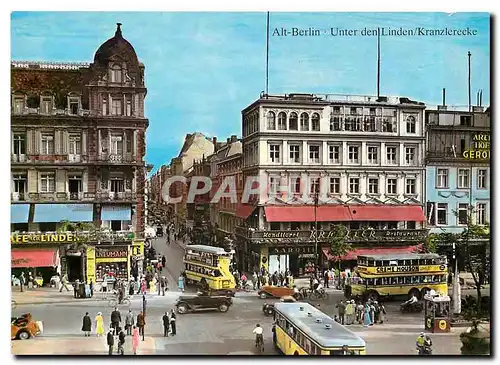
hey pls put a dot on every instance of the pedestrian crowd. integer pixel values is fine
(368, 313)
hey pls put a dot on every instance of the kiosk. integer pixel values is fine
(437, 313)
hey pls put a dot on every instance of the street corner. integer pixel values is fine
(58, 346)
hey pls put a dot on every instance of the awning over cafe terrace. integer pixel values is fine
(34, 258)
(244, 210)
(343, 213)
(353, 255)
(63, 212)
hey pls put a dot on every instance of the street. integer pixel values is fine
(209, 333)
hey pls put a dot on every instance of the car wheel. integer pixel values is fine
(223, 307)
(23, 335)
(262, 295)
(414, 292)
(269, 311)
(182, 308)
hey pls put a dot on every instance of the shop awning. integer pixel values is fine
(244, 210)
(353, 255)
(116, 213)
(19, 213)
(63, 212)
(34, 258)
(387, 213)
(305, 213)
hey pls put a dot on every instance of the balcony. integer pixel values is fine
(115, 158)
(64, 112)
(18, 196)
(113, 196)
(18, 158)
(49, 159)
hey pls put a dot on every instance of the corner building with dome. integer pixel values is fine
(77, 155)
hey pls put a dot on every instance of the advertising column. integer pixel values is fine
(91, 264)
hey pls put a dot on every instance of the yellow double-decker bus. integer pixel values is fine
(209, 266)
(302, 329)
(400, 274)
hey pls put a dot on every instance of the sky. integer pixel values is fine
(202, 69)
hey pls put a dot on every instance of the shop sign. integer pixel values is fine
(45, 238)
(390, 269)
(111, 253)
(289, 250)
(480, 147)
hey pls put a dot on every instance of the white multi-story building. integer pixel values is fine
(362, 157)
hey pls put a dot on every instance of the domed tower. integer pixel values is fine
(116, 97)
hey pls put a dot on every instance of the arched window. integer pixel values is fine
(293, 121)
(18, 102)
(315, 122)
(271, 121)
(410, 124)
(304, 122)
(116, 74)
(282, 121)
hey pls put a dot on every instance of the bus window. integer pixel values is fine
(394, 280)
(371, 263)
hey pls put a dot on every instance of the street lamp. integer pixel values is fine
(144, 301)
(316, 198)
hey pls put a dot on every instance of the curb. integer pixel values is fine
(53, 302)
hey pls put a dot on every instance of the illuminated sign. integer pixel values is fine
(480, 147)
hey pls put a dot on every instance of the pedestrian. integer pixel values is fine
(87, 325)
(22, 281)
(121, 343)
(158, 285)
(172, 322)
(366, 316)
(163, 283)
(181, 283)
(91, 285)
(111, 341)
(129, 322)
(75, 288)
(382, 312)
(243, 281)
(360, 310)
(64, 283)
(341, 307)
(116, 318)
(143, 287)
(376, 312)
(30, 281)
(372, 313)
(163, 261)
(99, 325)
(255, 280)
(104, 285)
(135, 339)
(141, 322)
(166, 324)
(349, 313)
(325, 278)
(131, 287)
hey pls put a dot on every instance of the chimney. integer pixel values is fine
(234, 138)
(214, 141)
(228, 140)
(443, 106)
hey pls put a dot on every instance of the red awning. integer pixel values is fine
(387, 213)
(244, 210)
(305, 213)
(353, 255)
(34, 258)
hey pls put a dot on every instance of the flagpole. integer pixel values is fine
(378, 63)
(267, 55)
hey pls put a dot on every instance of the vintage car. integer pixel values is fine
(202, 301)
(24, 327)
(268, 308)
(268, 291)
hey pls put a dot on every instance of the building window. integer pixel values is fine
(19, 143)
(442, 178)
(314, 185)
(18, 105)
(465, 120)
(46, 105)
(47, 145)
(271, 121)
(128, 106)
(314, 154)
(411, 186)
(372, 186)
(304, 122)
(282, 121)
(274, 183)
(116, 74)
(392, 186)
(481, 217)
(74, 105)
(410, 155)
(372, 155)
(442, 213)
(20, 184)
(463, 213)
(116, 145)
(47, 183)
(116, 106)
(104, 107)
(335, 185)
(315, 122)
(75, 144)
(274, 153)
(411, 124)
(354, 185)
(391, 154)
(353, 154)
(352, 123)
(463, 178)
(336, 120)
(294, 153)
(370, 122)
(334, 154)
(295, 185)
(293, 121)
(481, 178)
(411, 225)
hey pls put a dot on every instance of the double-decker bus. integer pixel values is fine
(400, 274)
(302, 329)
(209, 266)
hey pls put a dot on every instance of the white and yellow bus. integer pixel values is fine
(400, 274)
(302, 329)
(209, 266)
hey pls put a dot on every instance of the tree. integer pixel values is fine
(339, 247)
(430, 243)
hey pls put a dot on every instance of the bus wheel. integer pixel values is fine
(372, 295)
(414, 292)
(296, 353)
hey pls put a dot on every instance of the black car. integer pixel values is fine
(268, 308)
(202, 301)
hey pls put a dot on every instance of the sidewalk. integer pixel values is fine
(78, 346)
(44, 296)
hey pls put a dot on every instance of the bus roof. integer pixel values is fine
(336, 336)
(209, 249)
(402, 256)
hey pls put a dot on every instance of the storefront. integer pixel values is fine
(111, 260)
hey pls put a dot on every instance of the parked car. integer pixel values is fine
(269, 291)
(24, 327)
(202, 301)
(268, 308)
